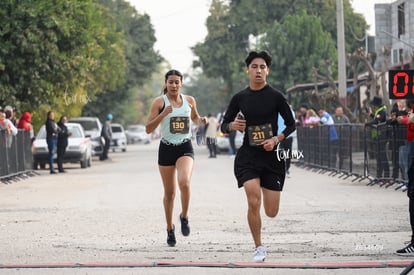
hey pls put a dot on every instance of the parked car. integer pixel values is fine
(223, 143)
(119, 139)
(79, 147)
(93, 128)
(136, 133)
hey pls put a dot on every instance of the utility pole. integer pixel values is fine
(341, 51)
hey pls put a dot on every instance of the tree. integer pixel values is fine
(141, 60)
(54, 49)
(233, 26)
(297, 45)
(215, 57)
(209, 93)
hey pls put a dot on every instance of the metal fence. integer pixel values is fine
(16, 159)
(377, 153)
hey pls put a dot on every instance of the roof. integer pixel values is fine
(321, 85)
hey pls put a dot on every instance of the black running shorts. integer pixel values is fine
(169, 154)
(251, 163)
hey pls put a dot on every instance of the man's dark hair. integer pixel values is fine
(263, 54)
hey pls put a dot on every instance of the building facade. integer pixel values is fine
(394, 29)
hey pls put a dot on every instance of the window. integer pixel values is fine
(394, 56)
(397, 56)
(401, 19)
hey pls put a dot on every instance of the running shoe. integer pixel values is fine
(185, 228)
(259, 254)
(406, 251)
(171, 241)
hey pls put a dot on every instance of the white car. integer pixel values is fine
(92, 127)
(136, 134)
(119, 139)
(223, 143)
(79, 147)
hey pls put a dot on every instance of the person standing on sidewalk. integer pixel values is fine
(62, 142)
(378, 135)
(258, 169)
(173, 112)
(106, 134)
(8, 126)
(342, 122)
(52, 130)
(333, 140)
(211, 135)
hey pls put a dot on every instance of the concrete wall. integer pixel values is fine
(386, 32)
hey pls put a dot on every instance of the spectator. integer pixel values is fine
(106, 133)
(10, 114)
(303, 109)
(201, 134)
(52, 131)
(378, 135)
(407, 150)
(326, 119)
(62, 142)
(25, 123)
(340, 117)
(211, 134)
(232, 144)
(343, 143)
(311, 118)
(7, 125)
(398, 109)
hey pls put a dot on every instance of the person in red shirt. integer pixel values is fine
(409, 121)
(25, 123)
(410, 133)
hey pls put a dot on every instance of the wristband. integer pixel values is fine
(275, 140)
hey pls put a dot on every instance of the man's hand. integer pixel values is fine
(238, 124)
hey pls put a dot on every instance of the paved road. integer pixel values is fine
(110, 219)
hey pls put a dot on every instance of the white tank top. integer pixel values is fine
(176, 126)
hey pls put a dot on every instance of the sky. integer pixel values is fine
(180, 24)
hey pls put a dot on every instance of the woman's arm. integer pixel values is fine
(155, 117)
(195, 116)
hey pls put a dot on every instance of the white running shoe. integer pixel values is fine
(259, 254)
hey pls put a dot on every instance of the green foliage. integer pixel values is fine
(236, 26)
(219, 55)
(74, 56)
(209, 94)
(55, 50)
(297, 45)
(141, 60)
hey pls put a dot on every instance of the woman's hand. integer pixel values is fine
(167, 110)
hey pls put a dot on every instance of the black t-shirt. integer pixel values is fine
(260, 107)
